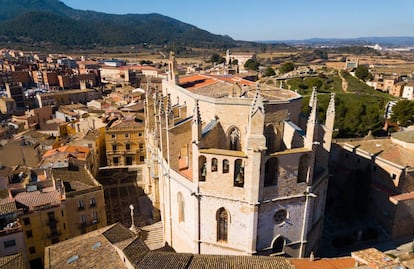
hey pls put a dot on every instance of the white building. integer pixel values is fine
(408, 91)
(231, 170)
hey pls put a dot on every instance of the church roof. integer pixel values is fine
(217, 86)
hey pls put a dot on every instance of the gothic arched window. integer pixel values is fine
(270, 134)
(202, 166)
(234, 138)
(271, 172)
(226, 166)
(303, 168)
(238, 173)
(214, 165)
(222, 224)
(278, 245)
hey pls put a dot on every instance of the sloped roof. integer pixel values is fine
(333, 263)
(164, 260)
(117, 233)
(36, 199)
(238, 262)
(15, 261)
(7, 206)
(79, 152)
(90, 250)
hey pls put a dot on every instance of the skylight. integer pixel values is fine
(96, 245)
(73, 259)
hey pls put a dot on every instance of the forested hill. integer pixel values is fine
(52, 21)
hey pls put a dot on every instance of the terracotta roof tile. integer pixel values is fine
(35, 199)
(90, 250)
(15, 261)
(7, 206)
(118, 233)
(165, 260)
(136, 250)
(334, 263)
(238, 262)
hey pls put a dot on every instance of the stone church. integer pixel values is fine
(230, 169)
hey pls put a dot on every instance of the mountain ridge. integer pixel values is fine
(30, 21)
(368, 40)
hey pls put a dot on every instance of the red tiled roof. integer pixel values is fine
(80, 153)
(337, 263)
(198, 81)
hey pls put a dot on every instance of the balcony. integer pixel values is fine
(83, 225)
(10, 228)
(117, 152)
(54, 234)
(52, 222)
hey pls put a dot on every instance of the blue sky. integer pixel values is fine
(275, 19)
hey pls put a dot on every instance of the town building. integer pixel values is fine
(125, 143)
(408, 91)
(15, 91)
(53, 204)
(235, 61)
(12, 240)
(42, 214)
(225, 157)
(397, 89)
(351, 63)
(67, 97)
(7, 105)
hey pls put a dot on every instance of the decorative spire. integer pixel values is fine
(169, 106)
(331, 107)
(313, 116)
(330, 113)
(313, 97)
(161, 106)
(149, 91)
(172, 66)
(196, 114)
(257, 103)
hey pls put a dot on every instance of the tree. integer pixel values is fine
(323, 54)
(287, 67)
(269, 72)
(314, 82)
(215, 58)
(403, 113)
(362, 72)
(252, 65)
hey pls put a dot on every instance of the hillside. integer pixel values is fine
(51, 21)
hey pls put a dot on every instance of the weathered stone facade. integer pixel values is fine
(225, 176)
(379, 178)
